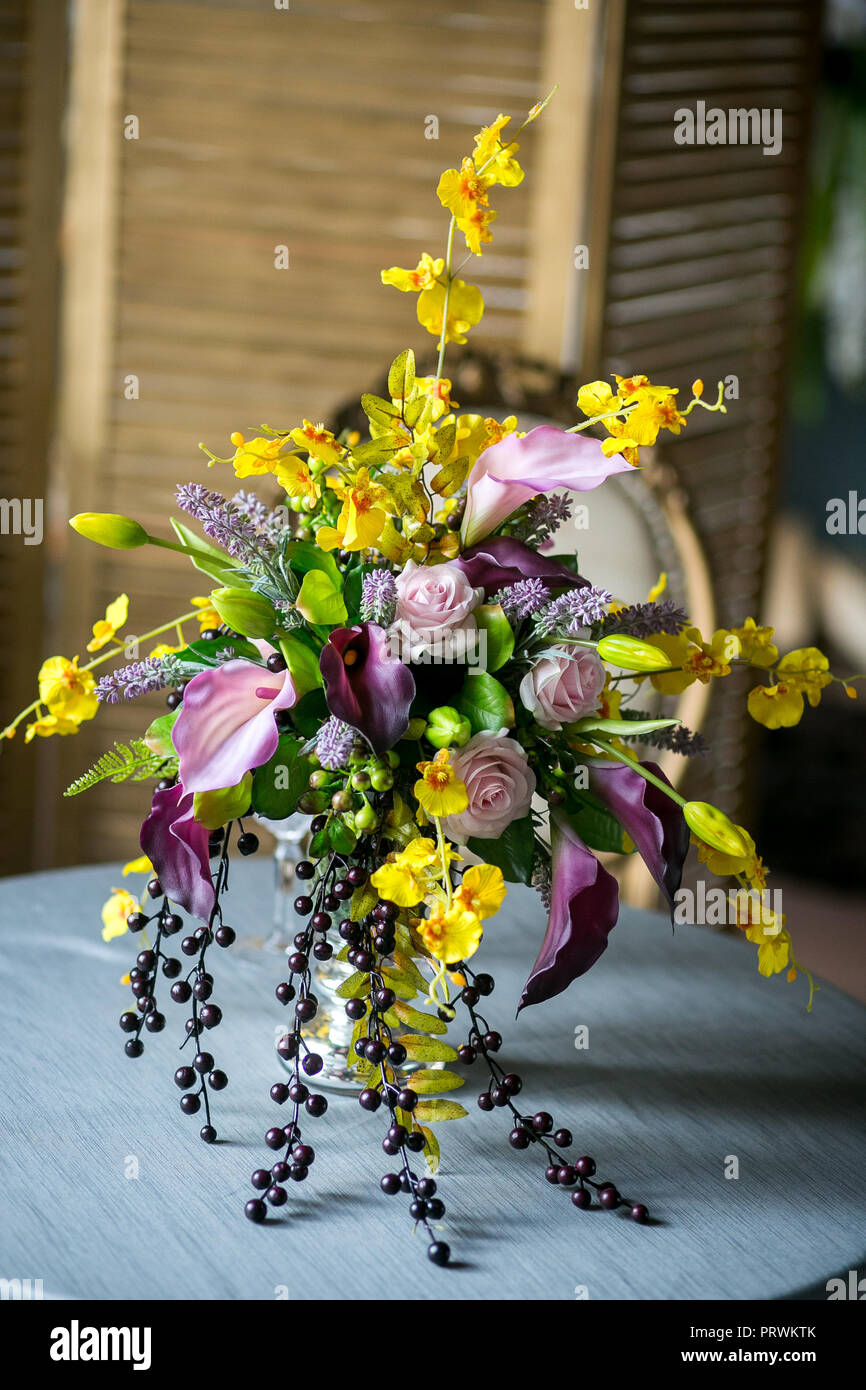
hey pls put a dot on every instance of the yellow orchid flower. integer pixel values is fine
(495, 156)
(439, 790)
(104, 629)
(67, 691)
(777, 706)
(256, 457)
(438, 392)
(116, 912)
(656, 409)
(620, 442)
(465, 310)
(450, 933)
(166, 649)
(774, 950)
(808, 670)
(49, 724)
(476, 228)
(757, 648)
(694, 658)
(319, 443)
(294, 475)
(423, 277)
(475, 433)
(402, 879)
(362, 517)
(463, 190)
(596, 398)
(482, 890)
(726, 865)
(141, 865)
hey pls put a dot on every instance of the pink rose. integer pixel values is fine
(560, 689)
(500, 784)
(433, 600)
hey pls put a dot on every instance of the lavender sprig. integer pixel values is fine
(646, 620)
(139, 678)
(378, 597)
(677, 738)
(334, 744)
(568, 614)
(522, 599)
(221, 521)
(539, 520)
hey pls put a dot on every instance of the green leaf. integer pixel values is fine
(356, 987)
(218, 564)
(512, 851)
(403, 985)
(125, 762)
(444, 440)
(320, 601)
(430, 1082)
(623, 728)
(379, 450)
(380, 412)
(303, 664)
(418, 413)
(157, 735)
(363, 901)
(215, 809)
(596, 826)
(570, 561)
(431, 1147)
(401, 375)
(423, 1049)
(340, 837)
(434, 1112)
(304, 556)
(500, 637)
(414, 1018)
(486, 703)
(279, 782)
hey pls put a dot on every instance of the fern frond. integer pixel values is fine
(125, 762)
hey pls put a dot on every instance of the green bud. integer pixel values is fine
(632, 654)
(360, 780)
(382, 779)
(319, 778)
(715, 828)
(110, 529)
(416, 729)
(252, 615)
(342, 801)
(393, 758)
(446, 727)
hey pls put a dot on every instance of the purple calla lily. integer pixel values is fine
(653, 820)
(366, 685)
(584, 906)
(227, 723)
(495, 563)
(177, 847)
(511, 472)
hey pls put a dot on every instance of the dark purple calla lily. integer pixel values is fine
(494, 564)
(584, 906)
(653, 820)
(366, 685)
(177, 847)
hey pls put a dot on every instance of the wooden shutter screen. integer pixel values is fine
(260, 128)
(32, 64)
(701, 251)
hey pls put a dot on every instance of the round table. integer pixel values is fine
(696, 1069)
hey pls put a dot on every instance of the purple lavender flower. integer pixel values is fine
(334, 744)
(220, 520)
(139, 678)
(378, 597)
(524, 598)
(676, 737)
(252, 508)
(571, 612)
(542, 881)
(541, 518)
(646, 619)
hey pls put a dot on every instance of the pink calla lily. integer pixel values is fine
(227, 724)
(516, 469)
(177, 847)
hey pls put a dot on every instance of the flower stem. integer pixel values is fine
(636, 767)
(444, 334)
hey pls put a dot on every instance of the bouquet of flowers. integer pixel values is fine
(396, 650)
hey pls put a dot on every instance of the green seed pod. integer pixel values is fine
(715, 829)
(631, 654)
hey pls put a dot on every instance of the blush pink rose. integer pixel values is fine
(499, 782)
(560, 689)
(433, 600)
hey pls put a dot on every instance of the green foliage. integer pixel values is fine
(427, 1082)
(420, 1048)
(512, 851)
(433, 1112)
(414, 1018)
(278, 783)
(500, 638)
(132, 762)
(401, 375)
(596, 826)
(486, 703)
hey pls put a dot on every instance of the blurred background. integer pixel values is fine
(157, 153)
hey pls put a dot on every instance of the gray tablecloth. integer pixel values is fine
(693, 1061)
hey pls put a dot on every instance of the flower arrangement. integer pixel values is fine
(397, 650)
